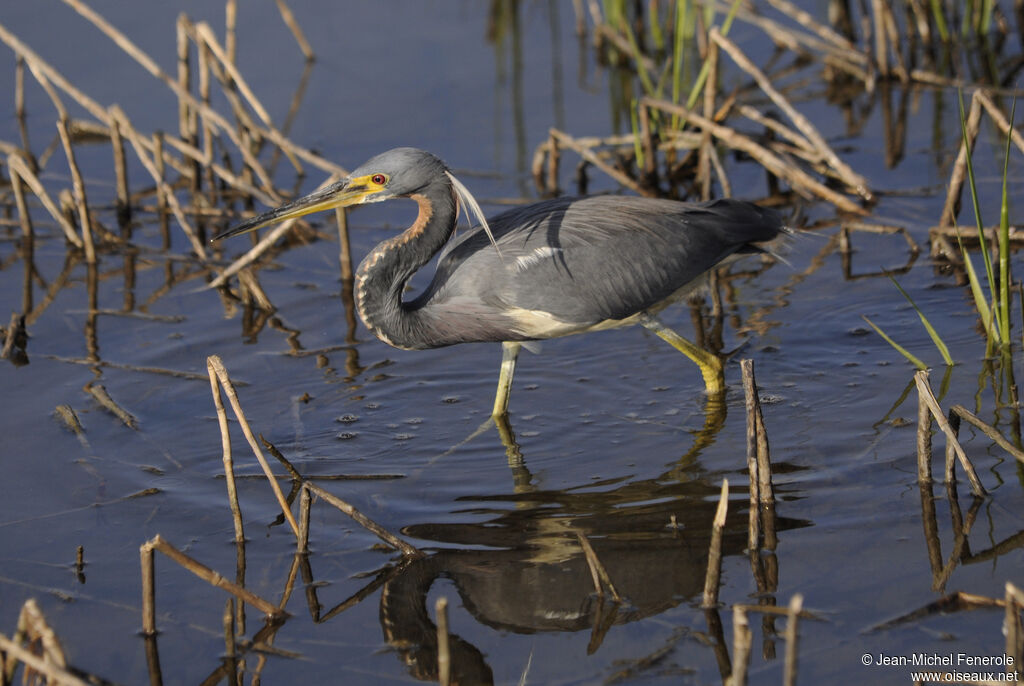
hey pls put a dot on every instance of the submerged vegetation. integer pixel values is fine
(699, 113)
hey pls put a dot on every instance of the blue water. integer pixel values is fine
(610, 426)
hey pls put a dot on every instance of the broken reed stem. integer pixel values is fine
(924, 443)
(18, 166)
(795, 176)
(988, 430)
(229, 464)
(264, 244)
(1012, 625)
(949, 471)
(55, 675)
(951, 208)
(99, 392)
(925, 395)
(586, 153)
(148, 590)
(157, 543)
(120, 175)
(293, 26)
(714, 573)
(305, 507)
(444, 656)
(796, 604)
(363, 520)
(78, 187)
(215, 366)
(166, 193)
(852, 179)
(741, 642)
(597, 570)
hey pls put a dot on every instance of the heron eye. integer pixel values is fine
(379, 179)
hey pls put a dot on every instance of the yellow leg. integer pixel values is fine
(709, 363)
(509, 352)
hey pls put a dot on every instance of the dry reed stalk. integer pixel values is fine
(215, 366)
(15, 330)
(714, 573)
(207, 36)
(264, 244)
(796, 41)
(166, 193)
(949, 473)
(989, 431)
(774, 164)
(252, 291)
(646, 141)
(99, 392)
(753, 516)
(78, 186)
(54, 675)
(229, 463)
(444, 655)
(924, 443)
(878, 229)
(796, 604)
(1012, 624)
(123, 204)
(204, 109)
(148, 590)
(1000, 119)
(925, 395)
(806, 20)
(586, 153)
(187, 121)
(741, 641)
(33, 628)
(157, 543)
(230, 25)
(18, 166)
(293, 26)
(553, 159)
(305, 507)
(817, 142)
(364, 521)
(778, 128)
(881, 47)
(597, 570)
(24, 218)
(230, 667)
(951, 208)
(344, 244)
(19, 107)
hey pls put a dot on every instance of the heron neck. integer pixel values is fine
(383, 274)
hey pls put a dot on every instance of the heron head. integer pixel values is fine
(393, 174)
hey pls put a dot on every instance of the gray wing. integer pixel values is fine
(583, 261)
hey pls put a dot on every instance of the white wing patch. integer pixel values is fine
(536, 256)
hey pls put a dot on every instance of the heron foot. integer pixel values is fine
(709, 363)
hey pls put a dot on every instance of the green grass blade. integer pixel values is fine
(900, 349)
(936, 339)
(989, 273)
(678, 45)
(1004, 239)
(706, 67)
(638, 149)
(940, 20)
(979, 297)
(638, 59)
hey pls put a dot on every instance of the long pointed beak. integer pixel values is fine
(341, 194)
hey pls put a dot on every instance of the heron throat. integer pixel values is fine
(382, 276)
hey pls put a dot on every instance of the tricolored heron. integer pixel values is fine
(544, 270)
